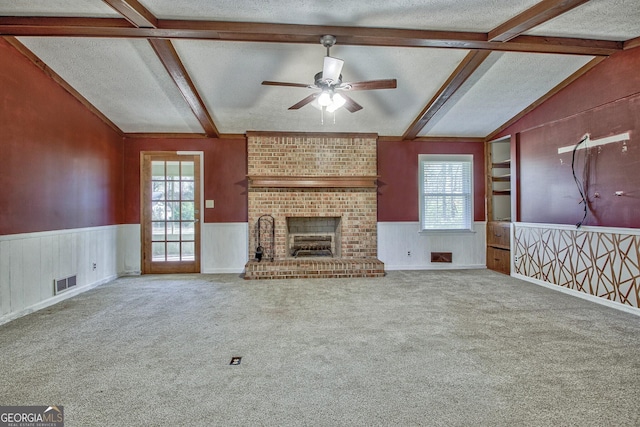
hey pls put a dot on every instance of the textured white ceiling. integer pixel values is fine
(504, 83)
(228, 76)
(598, 19)
(123, 78)
(458, 15)
(126, 81)
(83, 8)
(485, 102)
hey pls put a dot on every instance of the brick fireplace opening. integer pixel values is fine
(313, 236)
(321, 190)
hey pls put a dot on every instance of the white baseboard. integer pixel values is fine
(223, 271)
(443, 266)
(54, 300)
(572, 292)
(130, 273)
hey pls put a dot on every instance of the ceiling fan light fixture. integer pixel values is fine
(324, 99)
(337, 102)
(329, 81)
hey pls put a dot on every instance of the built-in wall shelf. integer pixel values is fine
(498, 163)
(313, 181)
(498, 182)
(505, 164)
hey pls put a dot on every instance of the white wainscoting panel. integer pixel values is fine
(30, 262)
(129, 250)
(224, 247)
(401, 246)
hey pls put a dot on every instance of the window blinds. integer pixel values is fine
(447, 195)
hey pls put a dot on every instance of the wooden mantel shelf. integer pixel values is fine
(313, 181)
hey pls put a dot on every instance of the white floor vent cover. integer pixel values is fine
(61, 285)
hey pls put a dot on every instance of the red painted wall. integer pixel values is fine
(603, 102)
(61, 165)
(224, 179)
(398, 182)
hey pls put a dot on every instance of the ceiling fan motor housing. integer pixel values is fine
(323, 84)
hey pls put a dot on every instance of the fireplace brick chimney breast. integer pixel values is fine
(291, 160)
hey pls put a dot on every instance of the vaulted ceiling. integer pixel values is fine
(464, 68)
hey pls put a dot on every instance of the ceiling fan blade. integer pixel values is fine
(309, 99)
(371, 84)
(332, 69)
(350, 104)
(269, 83)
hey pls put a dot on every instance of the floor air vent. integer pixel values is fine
(441, 256)
(61, 285)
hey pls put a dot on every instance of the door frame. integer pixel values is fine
(200, 215)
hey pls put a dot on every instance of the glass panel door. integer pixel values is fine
(171, 213)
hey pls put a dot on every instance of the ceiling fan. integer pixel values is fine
(331, 94)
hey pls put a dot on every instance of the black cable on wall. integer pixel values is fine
(578, 182)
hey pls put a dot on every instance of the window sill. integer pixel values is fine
(465, 231)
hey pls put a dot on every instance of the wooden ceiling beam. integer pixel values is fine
(291, 33)
(384, 138)
(140, 17)
(134, 12)
(466, 68)
(630, 44)
(171, 61)
(532, 17)
(37, 24)
(170, 135)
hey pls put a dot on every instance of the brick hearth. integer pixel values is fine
(315, 175)
(308, 268)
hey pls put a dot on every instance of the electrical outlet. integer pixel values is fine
(408, 253)
(94, 266)
(515, 258)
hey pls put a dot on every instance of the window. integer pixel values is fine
(446, 192)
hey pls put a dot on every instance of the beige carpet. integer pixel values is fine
(463, 348)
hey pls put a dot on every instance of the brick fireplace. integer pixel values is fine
(325, 181)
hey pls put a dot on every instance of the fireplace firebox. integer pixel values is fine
(313, 236)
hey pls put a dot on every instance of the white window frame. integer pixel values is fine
(457, 158)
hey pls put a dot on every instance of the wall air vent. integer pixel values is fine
(441, 257)
(61, 285)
